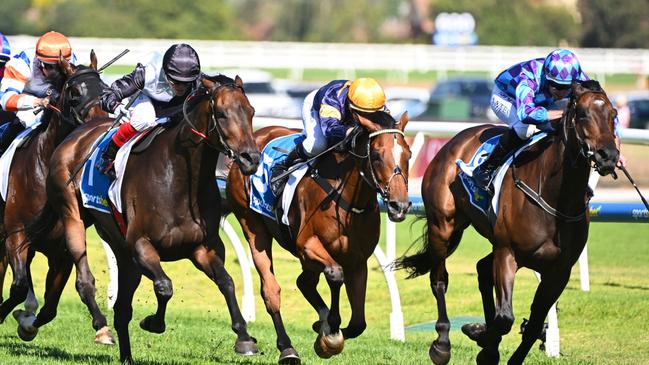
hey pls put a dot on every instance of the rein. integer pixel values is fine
(213, 124)
(568, 123)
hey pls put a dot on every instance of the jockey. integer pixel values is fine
(28, 82)
(166, 81)
(328, 115)
(522, 97)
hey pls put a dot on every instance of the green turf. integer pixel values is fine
(608, 325)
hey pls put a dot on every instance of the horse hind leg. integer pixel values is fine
(210, 262)
(20, 286)
(547, 293)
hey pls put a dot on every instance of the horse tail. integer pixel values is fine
(42, 224)
(422, 262)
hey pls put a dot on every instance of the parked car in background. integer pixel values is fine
(411, 99)
(264, 96)
(465, 98)
(638, 103)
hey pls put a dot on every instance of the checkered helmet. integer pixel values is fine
(561, 66)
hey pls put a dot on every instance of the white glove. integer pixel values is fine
(125, 113)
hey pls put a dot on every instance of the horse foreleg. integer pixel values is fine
(504, 270)
(547, 293)
(356, 287)
(477, 331)
(128, 278)
(307, 282)
(149, 260)
(330, 340)
(4, 263)
(75, 235)
(208, 261)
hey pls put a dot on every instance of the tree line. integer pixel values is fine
(588, 23)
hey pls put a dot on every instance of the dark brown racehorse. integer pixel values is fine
(544, 230)
(81, 87)
(332, 232)
(170, 202)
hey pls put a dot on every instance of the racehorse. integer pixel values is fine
(335, 230)
(26, 196)
(171, 203)
(544, 229)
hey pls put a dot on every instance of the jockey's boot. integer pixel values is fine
(10, 134)
(107, 161)
(483, 174)
(296, 155)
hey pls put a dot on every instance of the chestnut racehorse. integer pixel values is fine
(544, 228)
(80, 90)
(332, 232)
(170, 201)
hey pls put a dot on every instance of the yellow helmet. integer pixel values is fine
(50, 45)
(366, 95)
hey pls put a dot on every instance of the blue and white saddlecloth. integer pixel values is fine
(480, 198)
(262, 199)
(94, 184)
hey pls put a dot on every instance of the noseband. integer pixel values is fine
(214, 114)
(374, 182)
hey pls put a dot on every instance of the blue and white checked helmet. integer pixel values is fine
(561, 66)
(5, 52)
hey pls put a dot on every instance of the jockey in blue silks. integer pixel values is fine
(328, 117)
(521, 98)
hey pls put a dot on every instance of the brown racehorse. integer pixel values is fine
(170, 202)
(81, 88)
(335, 231)
(545, 231)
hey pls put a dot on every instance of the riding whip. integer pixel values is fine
(117, 119)
(113, 60)
(623, 168)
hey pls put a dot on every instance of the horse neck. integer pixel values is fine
(53, 134)
(355, 189)
(566, 176)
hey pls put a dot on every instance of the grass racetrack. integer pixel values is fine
(608, 325)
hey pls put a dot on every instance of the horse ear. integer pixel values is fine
(367, 124)
(207, 83)
(403, 121)
(577, 88)
(93, 60)
(65, 65)
(238, 81)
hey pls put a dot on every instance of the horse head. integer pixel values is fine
(81, 92)
(229, 124)
(589, 122)
(387, 154)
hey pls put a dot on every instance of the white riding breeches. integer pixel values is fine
(143, 114)
(315, 141)
(505, 108)
(28, 118)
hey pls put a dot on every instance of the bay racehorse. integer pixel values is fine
(80, 88)
(171, 204)
(333, 231)
(544, 229)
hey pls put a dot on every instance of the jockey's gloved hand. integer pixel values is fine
(110, 100)
(121, 109)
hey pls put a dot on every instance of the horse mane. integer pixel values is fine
(219, 78)
(592, 85)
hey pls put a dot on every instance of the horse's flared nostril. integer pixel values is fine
(248, 162)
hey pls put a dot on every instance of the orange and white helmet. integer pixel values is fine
(50, 45)
(366, 95)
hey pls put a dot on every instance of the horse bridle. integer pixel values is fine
(213, 124)
(79, 113)
(374, 182)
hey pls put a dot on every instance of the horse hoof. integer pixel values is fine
(486, 357)
(289, 356)
(26, 329)
(246, 348)
(439, 354)
(152, 325)
(474, 331)
(104, 336)
(329, 345)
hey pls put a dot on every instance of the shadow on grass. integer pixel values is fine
(13, 348)
(616, 285)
